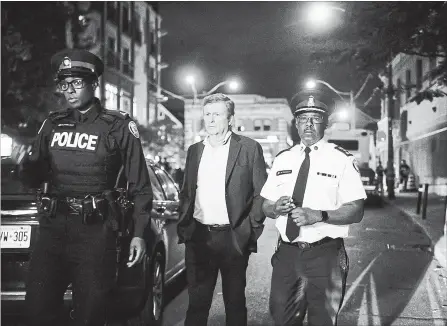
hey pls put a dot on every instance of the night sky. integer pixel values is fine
(265, 44)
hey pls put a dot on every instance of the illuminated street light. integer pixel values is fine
(320, 13)
(233, 85)
(343, 114)
(190, 79)
(311, 84)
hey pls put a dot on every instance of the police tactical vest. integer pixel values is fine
(84, 158)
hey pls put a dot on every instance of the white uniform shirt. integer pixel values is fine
(333, 180)
(210, 206)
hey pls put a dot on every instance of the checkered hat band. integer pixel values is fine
(309, 109)
(77, 64)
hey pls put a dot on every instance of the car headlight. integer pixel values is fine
(6, 145)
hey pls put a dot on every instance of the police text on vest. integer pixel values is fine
(75, 140)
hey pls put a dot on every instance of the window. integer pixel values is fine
(125, 101)
(350, 145)
(168, 185)
(418, 74)
(126, 60)
(257, 125)
(267, 124)
(407, 85)
(156, 187)
(111, 97)
(111, 44)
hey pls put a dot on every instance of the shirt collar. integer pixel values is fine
(224, 142)
(315, 147)
(90, 115)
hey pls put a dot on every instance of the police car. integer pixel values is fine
(139, 295)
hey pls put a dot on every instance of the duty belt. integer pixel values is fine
(215, 227)
(306, 245)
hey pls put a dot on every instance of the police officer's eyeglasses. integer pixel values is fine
(315, 119)
(76, 83)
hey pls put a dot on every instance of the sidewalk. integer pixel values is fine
(432, 226)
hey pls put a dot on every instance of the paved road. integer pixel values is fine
(392, 279)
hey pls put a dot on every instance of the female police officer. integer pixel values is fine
(314, 192)
(80, 151)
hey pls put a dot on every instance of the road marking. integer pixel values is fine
(369, 313)
(357, 281)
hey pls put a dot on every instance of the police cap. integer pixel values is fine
(311, 105)
(76, 62)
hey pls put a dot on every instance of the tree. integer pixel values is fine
(31, 33)
(375, 31)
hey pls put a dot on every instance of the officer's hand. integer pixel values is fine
(305, 216)
(137, 251)
(283, 206)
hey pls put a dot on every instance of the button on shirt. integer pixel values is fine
(333, 181)
(210, 206)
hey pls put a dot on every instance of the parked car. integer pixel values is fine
(139, 294)
(372, 188)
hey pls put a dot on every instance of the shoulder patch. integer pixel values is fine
(56, 115)
(355, 165)
(133, 129)
(284, 150)
(344, 151)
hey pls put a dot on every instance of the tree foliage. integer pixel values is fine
(31, 33)
(374, 32)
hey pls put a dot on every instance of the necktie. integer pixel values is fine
(292, 230)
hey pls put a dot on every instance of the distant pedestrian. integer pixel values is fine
(314, 191)
(380, 172)
(404, 172)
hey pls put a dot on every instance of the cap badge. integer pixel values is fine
(67, 63)
(311, 101)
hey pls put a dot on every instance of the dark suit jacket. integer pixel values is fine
(245, 177)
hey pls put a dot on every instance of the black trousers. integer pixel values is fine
(208, 253)
(67, 252)
(309, 280)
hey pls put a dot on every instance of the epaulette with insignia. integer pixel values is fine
(111, 115)
(284, 150)
(56, 115)
(344, 151)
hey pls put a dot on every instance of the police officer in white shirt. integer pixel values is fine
(314, 192)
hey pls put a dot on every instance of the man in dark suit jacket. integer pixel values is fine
(221, 214)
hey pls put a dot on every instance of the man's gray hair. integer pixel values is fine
(219, 97)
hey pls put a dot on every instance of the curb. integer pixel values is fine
(424, 230)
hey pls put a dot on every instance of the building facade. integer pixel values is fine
(126, 35)
(419, 130)
(266, 120)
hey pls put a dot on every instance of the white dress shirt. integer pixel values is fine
(210, 206)
(333, 181)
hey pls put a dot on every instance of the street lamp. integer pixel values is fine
(232, 84)
(311, 84)
(321, 12)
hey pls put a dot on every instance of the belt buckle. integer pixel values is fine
(304, 245)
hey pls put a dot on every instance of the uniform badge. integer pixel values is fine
(355, 165)
(311, 101)
(133, 129)
(66, 63)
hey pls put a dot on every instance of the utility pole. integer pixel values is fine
(390, 175)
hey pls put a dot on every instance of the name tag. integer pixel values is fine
(284, 172)
(327, 175)
(67, 125)
(75, 140)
